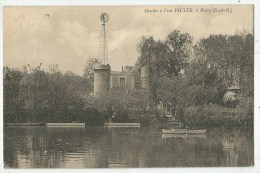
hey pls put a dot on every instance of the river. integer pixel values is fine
(43, 147)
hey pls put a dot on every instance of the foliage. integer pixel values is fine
(93, 117)
(117, 104)
(216, 115)
(168, 57)
(11, 100)
(44, 96)
(204, 95)
(165, 58)
(33, 92)
(170, 90)
(231, 57)
(217, 63)
(88, 74)
(89, 68)
(182, 75)
(220, 61)
(180, 48)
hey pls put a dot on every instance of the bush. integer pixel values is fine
(150, 117)
(145, 120)
(215, 115)
(120, 118)
(93, 117)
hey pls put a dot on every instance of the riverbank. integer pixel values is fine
(216, 116)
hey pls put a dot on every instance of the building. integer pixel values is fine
(124, 78)
(131, 77)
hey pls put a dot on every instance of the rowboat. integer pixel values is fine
(122, 124)
(25, 124)
(185, 135)
(66, 125)
(183, 131)
(197, 131)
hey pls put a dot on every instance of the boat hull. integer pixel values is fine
(186, 135)
(122, 124)
(25, 124)
(174, 131)
(183, 131)
(66, 125)
(197, 131)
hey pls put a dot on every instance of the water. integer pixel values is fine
(43, 147)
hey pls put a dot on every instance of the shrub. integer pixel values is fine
(215, 115)
(93, 117)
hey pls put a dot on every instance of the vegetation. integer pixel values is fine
(39, 96)
(120, 106)
(216, 116)
(192, 77)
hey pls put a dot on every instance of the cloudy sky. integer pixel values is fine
(68, 36)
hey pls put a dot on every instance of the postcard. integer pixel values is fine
(130, 86)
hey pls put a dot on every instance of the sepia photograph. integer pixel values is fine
(163, 86)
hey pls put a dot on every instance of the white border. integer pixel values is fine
(256, 3)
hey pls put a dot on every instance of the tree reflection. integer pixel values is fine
(41, 147)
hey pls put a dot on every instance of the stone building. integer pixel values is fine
(131, 77)
(124, 78)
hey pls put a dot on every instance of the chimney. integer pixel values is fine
(122, 68)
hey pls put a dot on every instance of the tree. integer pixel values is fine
(56, 92)
(180, 49)
(165, 58)
(53, 68)
(231, 56)
(88, 70)
(89, 73)
(12, 101)
(34, 93)
(171, 90)
(247, 66)
(75, 93)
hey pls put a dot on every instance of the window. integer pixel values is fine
(122, 81)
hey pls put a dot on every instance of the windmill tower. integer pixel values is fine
(102, 53)
(102, 71)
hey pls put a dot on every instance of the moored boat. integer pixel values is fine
(122, 124)
(66, 125)
(25, 124)
(183, 131)
(184, 135)
(197, 131)
(174, 131)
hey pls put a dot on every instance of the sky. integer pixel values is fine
(69, 36)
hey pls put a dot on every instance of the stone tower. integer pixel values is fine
(146, 77)
(101, 79)
(102, 71)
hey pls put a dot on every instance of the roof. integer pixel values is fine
(120, 72)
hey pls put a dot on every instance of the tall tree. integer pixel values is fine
(180, 51)
(34, 93)
(231, 56)
(165, 58)
(12, 101)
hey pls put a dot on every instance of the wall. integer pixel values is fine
(115, 79)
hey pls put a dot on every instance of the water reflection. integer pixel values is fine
(40, 147)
